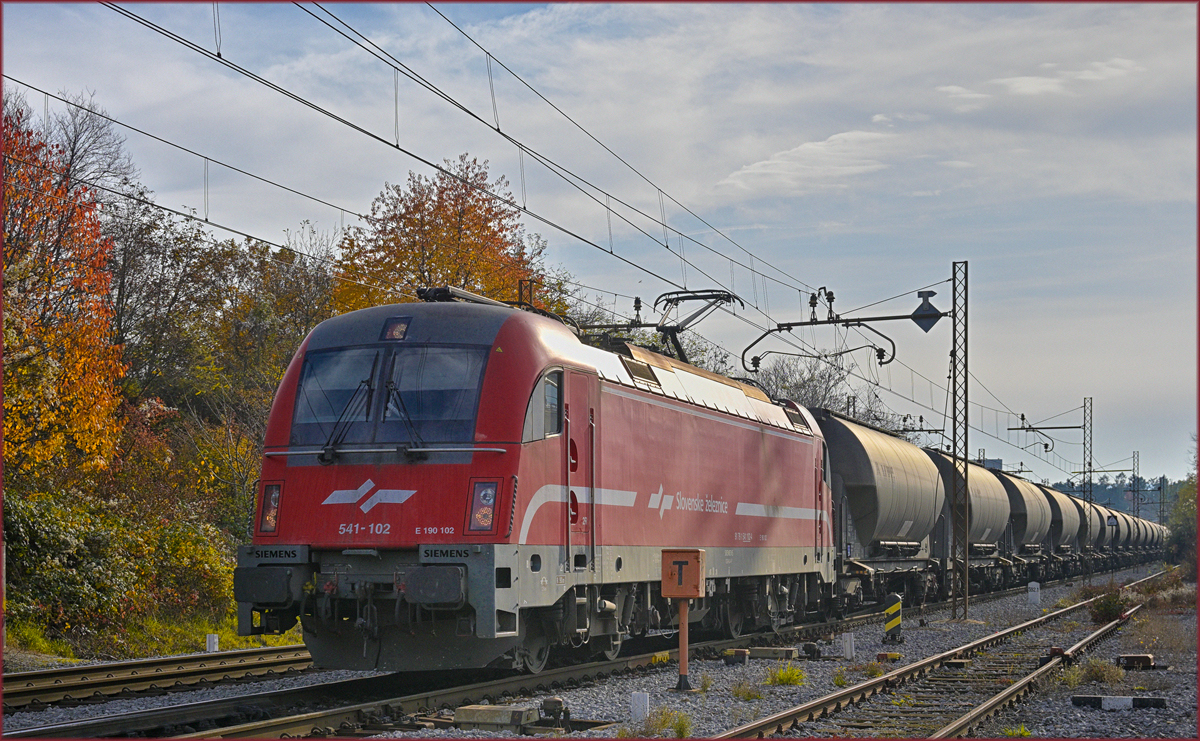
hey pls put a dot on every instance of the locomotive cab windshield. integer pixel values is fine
(395, 394)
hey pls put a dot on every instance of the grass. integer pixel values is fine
(1071, 677)
(740, 714)
(155, 635)
(786, 674)
(166, 635)
(1019, 732)
(1093, 670)
(1178, 597)
(1104, 672)
(744, 689)
(706, 682)
(24, 635)
(662, 721)
(839, 678)
(1160, 633)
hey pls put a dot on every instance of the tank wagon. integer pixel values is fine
(988, 512)
(1029, 524)
(459, 483)
(887, 498)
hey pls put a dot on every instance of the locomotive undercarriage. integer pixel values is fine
(492, 606)
(390, 611)
(598, 618)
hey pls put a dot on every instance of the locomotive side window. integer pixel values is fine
(553, 406)
(543, 416)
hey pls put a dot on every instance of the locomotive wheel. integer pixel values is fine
(535, 650)
(734, 619)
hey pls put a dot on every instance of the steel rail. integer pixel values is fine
(276, 701)
(786, 720)
(1019, 689)
(85, 683)
(143, 722)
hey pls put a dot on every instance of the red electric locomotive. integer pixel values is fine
(457, 483)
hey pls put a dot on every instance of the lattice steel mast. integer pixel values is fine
(959, 511)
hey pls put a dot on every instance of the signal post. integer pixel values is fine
(683, 580)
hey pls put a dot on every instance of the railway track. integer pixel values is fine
(290, 712)
(381, 702)
(942, 696)
(101, 682)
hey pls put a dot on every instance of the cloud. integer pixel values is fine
(955, 91)
(968, 100)
(814, 166)
(1095, 72)
(1032, 85)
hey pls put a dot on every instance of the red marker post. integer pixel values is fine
(683, 580)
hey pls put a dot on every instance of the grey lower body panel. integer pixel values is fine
(431, 645)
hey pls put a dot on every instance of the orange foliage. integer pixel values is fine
(443, 231)
(60, 368)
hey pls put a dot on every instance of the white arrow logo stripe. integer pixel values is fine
(387, 496)
(349, 496)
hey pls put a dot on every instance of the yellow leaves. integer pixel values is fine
(446, 230)
(60, 368)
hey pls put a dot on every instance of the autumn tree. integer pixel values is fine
(458, 228)
(169, 280)
(60, 365)
(1181, 543)
(271, 300)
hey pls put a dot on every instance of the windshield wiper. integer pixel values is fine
(394, 393)
(358, 402)
(342, 425)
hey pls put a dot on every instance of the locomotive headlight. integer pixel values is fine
(270, 508)
(483, 506)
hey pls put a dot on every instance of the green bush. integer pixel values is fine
(786, 674)
(85, 578)
(1108, 607)
(69, 563)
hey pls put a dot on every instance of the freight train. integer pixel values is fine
(460, 483)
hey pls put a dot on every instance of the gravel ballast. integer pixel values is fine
(719, 708)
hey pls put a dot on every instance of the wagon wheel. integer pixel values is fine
(734, 618)
(535, 650)
(610, 646)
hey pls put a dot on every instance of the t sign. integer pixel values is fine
(683, 573)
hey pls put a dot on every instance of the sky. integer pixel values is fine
(861, 148)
